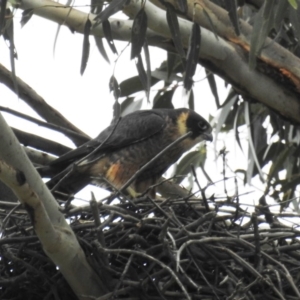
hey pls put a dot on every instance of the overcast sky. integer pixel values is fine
(85, 100)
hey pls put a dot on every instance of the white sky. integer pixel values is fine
(85, 100)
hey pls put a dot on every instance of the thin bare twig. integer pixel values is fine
(68, 132)
(161, 264)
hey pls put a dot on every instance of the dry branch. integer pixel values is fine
(38, 142)
(171, 250)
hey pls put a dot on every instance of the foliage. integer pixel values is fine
(254, 47)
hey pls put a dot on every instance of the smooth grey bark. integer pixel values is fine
(58, 240)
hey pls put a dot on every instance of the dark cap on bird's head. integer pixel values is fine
(188, 120)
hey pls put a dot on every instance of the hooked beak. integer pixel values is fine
(207, 136)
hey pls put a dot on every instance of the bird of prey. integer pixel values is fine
(125, 146)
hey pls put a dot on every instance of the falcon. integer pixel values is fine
(125, 146)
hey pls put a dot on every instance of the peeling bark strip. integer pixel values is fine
(274, 54)
(229, 60)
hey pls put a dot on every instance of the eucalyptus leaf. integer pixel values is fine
(142, 72)
(293, 3)
(171, 61)
(225, 110)
(148, 69)
(294, 15)
(173, 23)
(108, 36)
(68, 3)
(133, 85)
(114, 87)
(231, 7)
(96, 6)
(213, 86)
(85, 46)
(235, 127)
(26, 16)
(163, 75)
(280, 11)
(183, 168)
(290, 184)
(2, 14)
(100, 46)
(9, 36)
(138, 33)
(116, 110)
(191, 101)
(278, 162)
(252, 157)
(259, 134)
(111, 9)
(182, 5)
(262, 25)
(192, 56)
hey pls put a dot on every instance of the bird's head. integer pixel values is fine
(188, 120)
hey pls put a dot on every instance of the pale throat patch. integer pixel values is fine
(181, 123)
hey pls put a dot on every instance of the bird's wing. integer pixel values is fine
(131, 129)
(123, 132)
(73, 155)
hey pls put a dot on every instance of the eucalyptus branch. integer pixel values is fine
(38, 104)
(59, 241)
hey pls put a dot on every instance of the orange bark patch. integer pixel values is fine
(292, 77)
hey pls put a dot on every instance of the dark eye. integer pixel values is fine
(202, 125)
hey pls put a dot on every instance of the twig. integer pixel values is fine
(95, 212)
(14, 240)
(2, 226)
(256, 240)
(161, 264)
(35, 141)
(200, 189)
(201, 273)
(120, 281)
(68, 132)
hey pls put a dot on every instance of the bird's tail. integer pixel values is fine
(64, 184)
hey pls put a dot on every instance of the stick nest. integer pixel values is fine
(163, 249)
